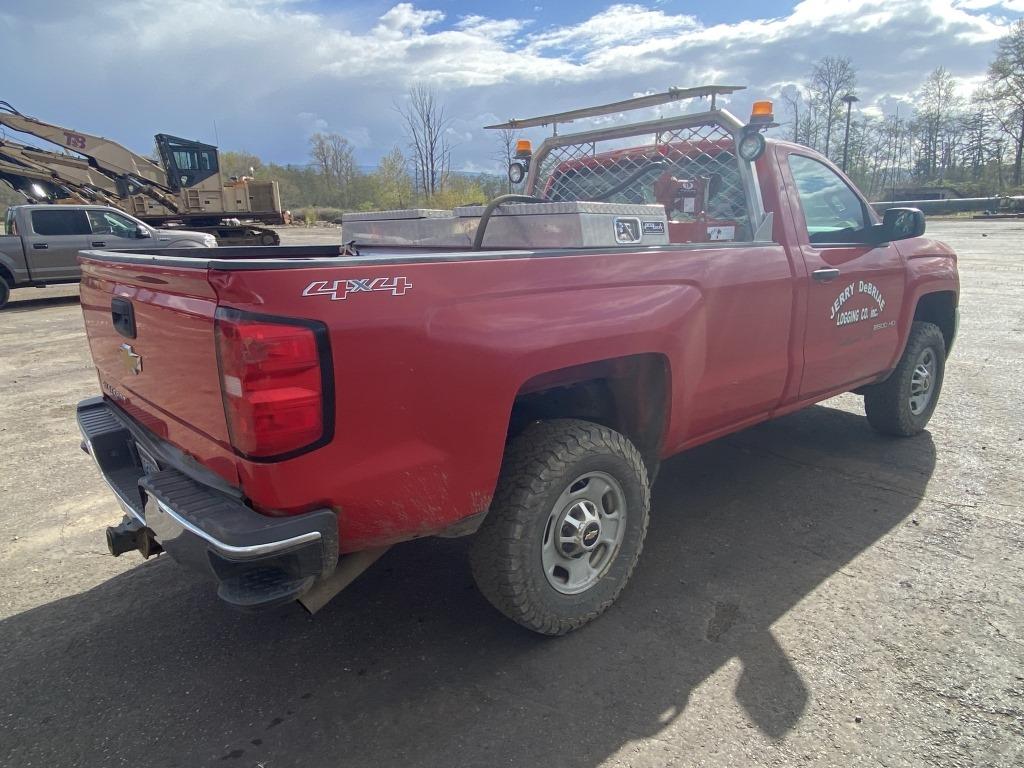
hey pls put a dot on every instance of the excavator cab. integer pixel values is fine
(187, 163)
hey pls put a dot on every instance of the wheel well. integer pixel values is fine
(6, 275)
(940, 309)
(627, 394)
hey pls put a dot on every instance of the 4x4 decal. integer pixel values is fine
(341, 289)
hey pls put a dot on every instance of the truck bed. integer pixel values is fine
(430, 349)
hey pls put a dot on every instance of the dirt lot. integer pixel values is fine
(811, 594)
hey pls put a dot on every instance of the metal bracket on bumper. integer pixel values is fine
(258, 561)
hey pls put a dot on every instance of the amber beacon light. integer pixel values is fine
(762, 113)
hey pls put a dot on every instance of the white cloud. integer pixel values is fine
(1015, 6)
(405, 19)
(616, 26)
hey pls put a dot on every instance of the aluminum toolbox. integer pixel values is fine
(515, 225)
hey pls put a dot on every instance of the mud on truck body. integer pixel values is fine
(516, 371)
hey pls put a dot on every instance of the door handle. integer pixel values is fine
(40, 246)
(825, 275)
(98, 244)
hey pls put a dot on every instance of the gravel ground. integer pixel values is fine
(810, 594)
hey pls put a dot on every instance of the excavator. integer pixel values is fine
(183, 189)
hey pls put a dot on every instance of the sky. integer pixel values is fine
(262, 75)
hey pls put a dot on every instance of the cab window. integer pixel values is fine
(110, 223)
(59, 221)
(194, 160)
(832, 211)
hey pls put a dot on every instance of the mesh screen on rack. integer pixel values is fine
(692, 171)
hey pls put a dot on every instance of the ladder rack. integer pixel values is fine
(640, 102)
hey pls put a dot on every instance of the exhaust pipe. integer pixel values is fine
(132, 535)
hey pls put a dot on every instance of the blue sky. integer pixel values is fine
(271, 72)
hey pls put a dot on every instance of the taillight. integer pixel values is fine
(275, 383)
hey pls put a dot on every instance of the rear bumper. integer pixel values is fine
(256, 560)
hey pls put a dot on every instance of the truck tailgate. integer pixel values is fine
(165, 374)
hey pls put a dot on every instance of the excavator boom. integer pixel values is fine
(130, 174)
(64, 168)
(186, 190)
(109, 156)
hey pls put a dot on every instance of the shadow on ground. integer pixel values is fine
(18, 304)
(411, 667)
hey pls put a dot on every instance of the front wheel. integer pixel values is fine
(5, 292)
(566, 526)
(902, 404)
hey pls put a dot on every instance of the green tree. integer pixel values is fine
(239, 164)
(460, 190)
(393, 184)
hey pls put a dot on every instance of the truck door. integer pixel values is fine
(113, 231)
(52, 247)
(854, 288)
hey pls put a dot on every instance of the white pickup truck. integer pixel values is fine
(42, 242)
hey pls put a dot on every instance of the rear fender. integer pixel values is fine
(645, 336)
(13, 267)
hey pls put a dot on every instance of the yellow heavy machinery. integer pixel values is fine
(184, 188)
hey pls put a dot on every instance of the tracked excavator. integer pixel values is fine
(183, 189)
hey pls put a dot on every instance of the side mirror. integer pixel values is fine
(900, 224)
(141, 232)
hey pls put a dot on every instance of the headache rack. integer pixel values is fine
(670, 180)
(687, 162)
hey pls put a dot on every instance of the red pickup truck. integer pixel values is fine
(516, 372)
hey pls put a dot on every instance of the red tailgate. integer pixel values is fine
(166, 376)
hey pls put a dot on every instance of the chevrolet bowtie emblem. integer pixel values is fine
(132, 362)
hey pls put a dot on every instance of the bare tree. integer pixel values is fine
(937, 122)
(507, 139)
(425, 122)
(333, 156)
(1006, 91)
(793, 98)
(831, 79)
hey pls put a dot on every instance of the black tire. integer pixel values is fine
(888, 404)
(269, 238)
(507, 557)
(5, 292)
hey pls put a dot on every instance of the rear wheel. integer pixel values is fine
(902, 404)
(5, 292)
(566, 526)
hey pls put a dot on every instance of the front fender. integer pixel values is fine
(931, 268)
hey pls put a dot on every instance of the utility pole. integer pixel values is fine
(848, 99)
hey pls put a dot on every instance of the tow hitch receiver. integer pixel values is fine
(132, 535)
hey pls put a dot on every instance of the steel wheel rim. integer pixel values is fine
(922, 381)
(583, 532)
